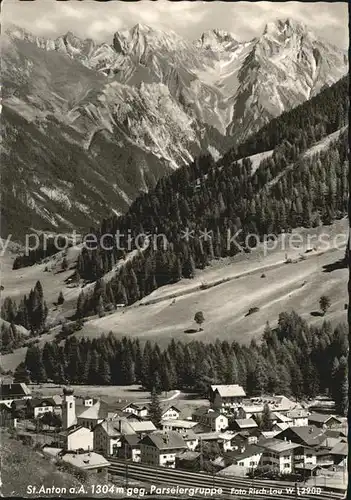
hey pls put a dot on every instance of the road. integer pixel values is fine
(235, 488)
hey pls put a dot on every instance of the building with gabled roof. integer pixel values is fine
(278, 455)
(308, 436)
(177, 425)
(299, 417)
(241, 424)
(75, 438)
(130, 447)
(323, 421)
(213, 419)
(249, 456)
(226, 398)
(161, 448)
(10, 391)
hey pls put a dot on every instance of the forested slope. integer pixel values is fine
(289, 189)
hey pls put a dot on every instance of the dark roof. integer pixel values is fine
(250, 450)
(201, 428)
(205, 411)
(131, 439)
(37, 402)
(165, 440)
(310, 435)
(13, 391)
(202, 410)
(73, 428)
(121, 405)
(334, 433)
(320, 418)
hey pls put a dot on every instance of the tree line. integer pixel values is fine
(31, 312)
(293, 359)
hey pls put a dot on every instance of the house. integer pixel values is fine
(85, 401)
(200, 428)
(190, 438)
(308, 436)
(225, 398)
(37, 407)
(177, 425)
(127, 407)
(242, 440)
(323, 421)
(324, 458)
(299, 417)
(222, 439)
(280, 418)
(143, 411)
(130, 447)
(280, 426)
(170, 412)
(278, 455)
(339, 452)
(90, 416)
(161, 448)
(11, 391)
(248, 457)
(143, 427)
(91, 463)
(244, 424)
(107, 437)
(215, 420)
(249, 411)
(76, 437)
(305, 456)
(254, 406)
(308, 470)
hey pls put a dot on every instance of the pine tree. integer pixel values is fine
(324, 303)
(60, 299)
(155, 411)
(266, 418)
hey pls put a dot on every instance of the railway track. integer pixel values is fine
(216, 486)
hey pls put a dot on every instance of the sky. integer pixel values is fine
(99, 21)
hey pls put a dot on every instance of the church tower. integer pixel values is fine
(68, 408)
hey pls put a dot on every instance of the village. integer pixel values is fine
(263, 437)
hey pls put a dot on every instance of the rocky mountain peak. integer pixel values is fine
(217, 40)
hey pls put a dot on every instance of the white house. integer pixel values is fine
(190, 438)
(170, 413)
(249, 457)
(226, 398)
(278, 455)
(177, 425)
(37, 407)
(161, 448)
(76, 437)
(299, 417)
(107, 437)
(212, 419)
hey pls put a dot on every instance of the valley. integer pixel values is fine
(233, 286)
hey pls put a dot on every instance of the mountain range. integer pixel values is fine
(86, 127)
